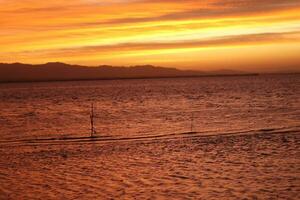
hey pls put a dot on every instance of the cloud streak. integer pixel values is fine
(251, 39)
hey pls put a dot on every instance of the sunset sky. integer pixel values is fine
(250, 35)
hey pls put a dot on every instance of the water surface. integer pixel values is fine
(149, 106)
(244, 143)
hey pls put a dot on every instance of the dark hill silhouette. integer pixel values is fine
(56, 71)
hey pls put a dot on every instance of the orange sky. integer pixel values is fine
(250, 35)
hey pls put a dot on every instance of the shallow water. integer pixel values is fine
(150, 106)
(244, 145)
(248, 166)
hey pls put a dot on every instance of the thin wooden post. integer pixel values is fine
(92, 120)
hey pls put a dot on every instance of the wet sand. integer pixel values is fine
(254, 165)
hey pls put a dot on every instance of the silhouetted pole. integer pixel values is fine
(92, 120)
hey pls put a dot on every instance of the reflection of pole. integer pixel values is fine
(192, 122)
(92, 120)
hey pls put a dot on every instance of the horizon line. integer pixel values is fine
(159, 66)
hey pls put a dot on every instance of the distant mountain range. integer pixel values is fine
(56, 71)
